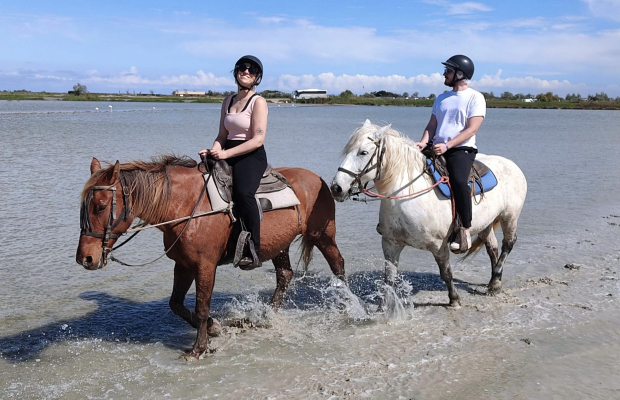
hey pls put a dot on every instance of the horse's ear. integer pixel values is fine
(95, 166)
(381, 131)
(114, 173)
(367, 123)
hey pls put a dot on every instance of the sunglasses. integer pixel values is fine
(448, 69)
(251, 68)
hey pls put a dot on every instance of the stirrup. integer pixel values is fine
(461, 243)
(246, 256)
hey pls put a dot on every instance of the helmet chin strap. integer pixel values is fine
(454, 80)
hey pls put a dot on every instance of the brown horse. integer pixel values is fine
(167, 188)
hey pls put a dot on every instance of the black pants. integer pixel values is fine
(458, 162)
(248, 170)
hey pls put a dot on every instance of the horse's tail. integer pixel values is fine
(477, 243)
(306, 253)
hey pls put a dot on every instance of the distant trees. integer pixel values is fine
(383, 93)
(599, 97)
(573, 97)
(432, 96)
(547, 97)
(346, 94)
(79, 90)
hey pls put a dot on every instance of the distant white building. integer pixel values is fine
(309, 94)
(529, 100)
(188, 93)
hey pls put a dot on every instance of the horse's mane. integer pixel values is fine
(401, 155)
(148, 182)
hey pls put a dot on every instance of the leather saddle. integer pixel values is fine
(272, 181)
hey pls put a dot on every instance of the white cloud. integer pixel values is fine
(422, 83)
(608, 9)
(466, 8)
(554, 44)
(133, 78)
(28, 25)
(528, 84)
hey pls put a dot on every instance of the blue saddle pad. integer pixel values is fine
(489, 181)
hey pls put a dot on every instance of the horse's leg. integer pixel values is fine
(391, 252)
(442, 257)
(284, 273)
(509, 229)
(205, 279)
(490, 241)
(327, 246)
(183, 279)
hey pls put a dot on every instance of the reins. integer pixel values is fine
(86, 226)
(378, 196)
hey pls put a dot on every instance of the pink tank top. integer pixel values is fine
(238, 124)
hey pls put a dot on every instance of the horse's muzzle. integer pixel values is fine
(337, 193)
(88, 262)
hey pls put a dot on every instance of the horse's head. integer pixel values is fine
(104, 216)
(362, 161)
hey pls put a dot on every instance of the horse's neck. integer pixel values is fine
(155, 201)
(410, 177)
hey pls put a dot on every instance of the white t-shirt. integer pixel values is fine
(453, 109)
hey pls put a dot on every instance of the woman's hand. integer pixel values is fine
(420, 145)
(203, 152)
(440, 148)
(219, 154)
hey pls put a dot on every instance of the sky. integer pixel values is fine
(526, 46)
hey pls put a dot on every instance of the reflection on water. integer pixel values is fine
(70, 333)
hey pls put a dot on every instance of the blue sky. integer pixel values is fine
(527, 46)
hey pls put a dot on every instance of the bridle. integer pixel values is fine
(86, 226)
(357, 178)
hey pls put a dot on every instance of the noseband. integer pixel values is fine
(86, 226)
(357, 178)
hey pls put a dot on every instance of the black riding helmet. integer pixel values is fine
(254, 61)
(461, 63)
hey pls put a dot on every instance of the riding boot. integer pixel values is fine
(252, 258)
(461, 243)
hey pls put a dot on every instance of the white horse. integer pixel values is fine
(424, 220)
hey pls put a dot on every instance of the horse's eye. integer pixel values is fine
(363, 153)
(99, 208)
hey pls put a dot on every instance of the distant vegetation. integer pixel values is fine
(600, 101)
(505, 100)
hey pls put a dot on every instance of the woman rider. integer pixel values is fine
(243, 124)
(455, 119)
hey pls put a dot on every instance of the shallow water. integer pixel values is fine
(70, 333)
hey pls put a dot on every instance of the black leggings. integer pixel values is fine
(458, 162)
(248, 170)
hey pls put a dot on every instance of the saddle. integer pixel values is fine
(274, 192)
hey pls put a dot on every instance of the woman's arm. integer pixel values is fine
(220, 140)
(258, 127)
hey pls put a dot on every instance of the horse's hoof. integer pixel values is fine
(193, 355)
(494, 288)
(215, 329)
(455, 304)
